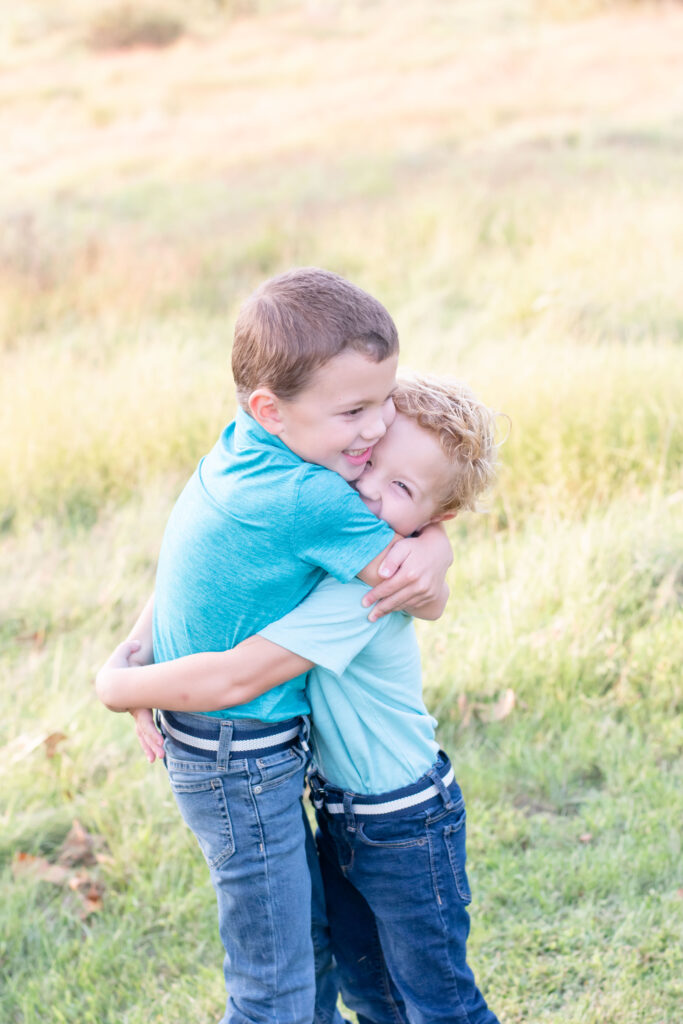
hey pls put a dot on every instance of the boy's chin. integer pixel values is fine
(351, 473)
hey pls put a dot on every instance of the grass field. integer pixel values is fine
(505, 175)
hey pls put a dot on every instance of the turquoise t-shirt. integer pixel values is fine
(253, 532)
(371, 730)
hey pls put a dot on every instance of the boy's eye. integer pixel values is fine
(353, 412)
(403, 487)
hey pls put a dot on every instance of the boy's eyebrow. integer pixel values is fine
(350, 403)
(412, 483)
(415, 487)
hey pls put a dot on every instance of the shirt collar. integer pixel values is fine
(250, 433)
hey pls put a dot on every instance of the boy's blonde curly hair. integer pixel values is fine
(465, 429)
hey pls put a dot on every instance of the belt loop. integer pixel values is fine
(317, 789)
(224, 744)
(160, 726)
(304, 733)
(443, 792)
(349, 816)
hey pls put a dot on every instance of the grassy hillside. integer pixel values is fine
(505, 176)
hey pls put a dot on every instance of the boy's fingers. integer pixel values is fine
(401, 599)
(393, 561)
(128, 647)
(154, 743)
(407, 589)
(150, 752)
(149, 737)
(383, 590)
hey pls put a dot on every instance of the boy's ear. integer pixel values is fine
(264, 407)
(443, 517)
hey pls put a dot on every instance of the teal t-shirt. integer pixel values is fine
(253, 532)
(371, 730)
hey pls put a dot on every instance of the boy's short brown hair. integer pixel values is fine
(465, 429)
(294, 323)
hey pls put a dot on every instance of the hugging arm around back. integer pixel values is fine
(206, 682)
(198, 682)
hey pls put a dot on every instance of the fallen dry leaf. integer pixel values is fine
(503, 706)
(485, 711)
(89, 892)
(465, 709)
(78, 847)
(91, 904)
(25, 865)
(52, 742)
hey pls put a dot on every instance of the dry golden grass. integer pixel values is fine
(324, 84)
(505, 175)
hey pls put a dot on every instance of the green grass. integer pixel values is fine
(522, 221)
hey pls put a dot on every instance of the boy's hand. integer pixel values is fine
(151, 740)
(416, 572)
(123, 656)
(126, 655)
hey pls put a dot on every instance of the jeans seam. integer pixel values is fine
(266, 871)
(398, 1017)
(463, 1015)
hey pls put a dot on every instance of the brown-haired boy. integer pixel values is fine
(258, 525)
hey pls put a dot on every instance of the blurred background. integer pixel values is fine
(505, 175)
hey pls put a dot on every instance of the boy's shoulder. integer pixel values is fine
(253, 485)
(247, 453)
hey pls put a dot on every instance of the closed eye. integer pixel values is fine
(353, 412)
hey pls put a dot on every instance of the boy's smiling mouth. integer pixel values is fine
(358, 456)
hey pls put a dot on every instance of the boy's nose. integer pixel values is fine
(367, 484)
(369, 494)
(374, 428)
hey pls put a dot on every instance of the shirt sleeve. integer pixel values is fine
(330, 626)
(333, 529)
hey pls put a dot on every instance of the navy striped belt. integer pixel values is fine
(415, 797)
(250, 741)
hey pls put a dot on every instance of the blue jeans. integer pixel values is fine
(247, 815)
(397, 892)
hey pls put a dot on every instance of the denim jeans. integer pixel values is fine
(397, 894)
(247, 815)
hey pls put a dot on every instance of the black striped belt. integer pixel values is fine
(249, 741)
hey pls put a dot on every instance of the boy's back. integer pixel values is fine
(250, 536)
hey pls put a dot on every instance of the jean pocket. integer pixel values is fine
(454, 836)
(274, 769)
(394, 834)
(204, 809)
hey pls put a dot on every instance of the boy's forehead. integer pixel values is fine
(352, 376)
(413, 449)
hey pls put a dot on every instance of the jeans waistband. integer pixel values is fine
(432, 788)
(250, 741)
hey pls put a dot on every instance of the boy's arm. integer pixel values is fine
(142, 632)
(197, 682)
(149, 737)
(410, 574)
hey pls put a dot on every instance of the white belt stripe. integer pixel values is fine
(395, 805)
(262, 743)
